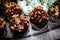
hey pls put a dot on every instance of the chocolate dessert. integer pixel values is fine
(2, 26)
(38, 18)
(54, 11)
(11, 8)
(19, 24)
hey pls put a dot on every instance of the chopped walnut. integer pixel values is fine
(15, 15)
(20, 27)
(56, 14)
(17, 20)
(11, 27)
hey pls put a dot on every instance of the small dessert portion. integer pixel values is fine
(11, 8)
(2, 26)
(19, 24)
(54, 11)
(39, 18)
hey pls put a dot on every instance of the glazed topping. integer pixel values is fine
(2, 23)
(11, 8)
(54, 10)
(18, 23)
(38, 14)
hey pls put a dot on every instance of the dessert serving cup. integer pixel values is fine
(54, 12)
(39, 18)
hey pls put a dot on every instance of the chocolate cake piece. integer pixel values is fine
(19, 24)
(11, 8)
(54, 11)
(39, 17)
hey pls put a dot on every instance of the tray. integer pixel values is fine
(30, 32)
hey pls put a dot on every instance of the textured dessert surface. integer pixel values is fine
(19, 23)
(54, 10)
(38, 16)
(11, 8)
